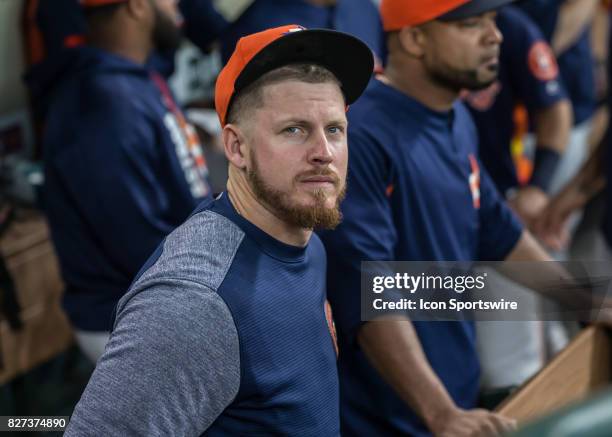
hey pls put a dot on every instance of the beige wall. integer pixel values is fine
(12, 91)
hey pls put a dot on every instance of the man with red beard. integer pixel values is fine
(123, 167)
(226, 330)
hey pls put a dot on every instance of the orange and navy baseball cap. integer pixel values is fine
(347, 57)
(95, 3)
(397, 14)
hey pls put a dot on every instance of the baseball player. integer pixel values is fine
(225, 331)
(566, 25)
(528, 91)
(594, 175)
(528, 81)
(123, 168)
(356, 17)
(417, 191)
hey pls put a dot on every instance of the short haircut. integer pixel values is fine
(252, 96)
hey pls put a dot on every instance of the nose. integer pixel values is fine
(321, 150)
(494, 35)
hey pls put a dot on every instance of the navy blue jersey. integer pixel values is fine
(229, 330)
(356, 17)
(416, 191)
(122, 170)
(528, 76)
(65, 30)
(575, 64)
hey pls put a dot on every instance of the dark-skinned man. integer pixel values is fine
(417, 192)
(123, 168)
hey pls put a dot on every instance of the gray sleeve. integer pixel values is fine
(170, 368)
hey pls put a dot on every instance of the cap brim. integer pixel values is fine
(347, 57)
(473, 8)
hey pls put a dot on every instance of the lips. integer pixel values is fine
(320, 179)
(492, 58)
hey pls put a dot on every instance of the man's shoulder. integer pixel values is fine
(95, 102)
(373, 123)
(200, 251)
(372, 103)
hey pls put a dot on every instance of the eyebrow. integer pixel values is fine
(302, 122)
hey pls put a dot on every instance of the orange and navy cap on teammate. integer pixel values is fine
(347, 57)
(94, 3)
(397, 14)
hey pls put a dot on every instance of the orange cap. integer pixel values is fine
(347, 57)
(94, 3)
(396, 14)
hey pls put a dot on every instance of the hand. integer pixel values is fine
(528, 203)
(550, 227)
(473, 423)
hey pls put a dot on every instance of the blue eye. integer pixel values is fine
(293, 130)
(335, 129)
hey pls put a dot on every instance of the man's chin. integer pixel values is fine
(485, 80)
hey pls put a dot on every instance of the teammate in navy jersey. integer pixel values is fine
(356, 17)
(207, 21)
(528, 92)
(566, 25)
(226, 331)
(593, 177)
(417, 191)
(55, 27)
(123, 168)
(528, 81)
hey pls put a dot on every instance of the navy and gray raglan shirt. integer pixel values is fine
(224, 332)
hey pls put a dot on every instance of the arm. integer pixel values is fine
(553, 125)
(392, 347)
(574, 17)
(534, 77)
(528, 249)
(206, 20)
(394, 350)
(170, 368)
(552, 128)
(583, 187)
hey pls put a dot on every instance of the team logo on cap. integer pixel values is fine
(295, 29)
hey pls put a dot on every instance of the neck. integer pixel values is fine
(252, 209)
(410, 78)
(121, 42)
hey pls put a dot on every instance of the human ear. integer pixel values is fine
(139, 9)
(234, 145)
(412, 40)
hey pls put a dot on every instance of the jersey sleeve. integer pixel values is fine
(500, 229)
(206, 20)
(367, 231)
(170, 368)
(113, 171)
(532, 65)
